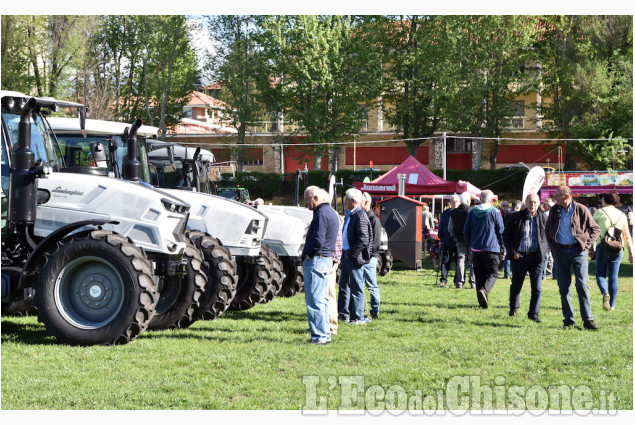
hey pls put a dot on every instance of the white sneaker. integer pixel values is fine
(606, 302)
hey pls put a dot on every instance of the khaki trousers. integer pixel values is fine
(333, 299)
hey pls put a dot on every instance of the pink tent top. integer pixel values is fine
(419, 181)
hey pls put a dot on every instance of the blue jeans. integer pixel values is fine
(528, 263)
(604, 260)
(350, 302)
(316, 276)
(506, 268)
(370, 278)
(563, 261)
(449, 254)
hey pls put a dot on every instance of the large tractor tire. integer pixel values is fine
(222, 280)
(277, 273)
(254, 281)
(387, 262)
(180, 299)
(293, 281)
(95, 288)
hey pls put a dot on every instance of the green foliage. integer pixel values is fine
(269, 185)
(40, 54)
(236, 65)
(20, 36)
(612, 154)
(418, 79)
(495, 67)
(351, 176)
(587, 81)
(325, 72)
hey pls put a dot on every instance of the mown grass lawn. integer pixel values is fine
(425, 338)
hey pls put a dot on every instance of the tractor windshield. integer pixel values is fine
(76, 151)
(41, 143)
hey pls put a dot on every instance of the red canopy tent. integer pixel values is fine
(419, 181)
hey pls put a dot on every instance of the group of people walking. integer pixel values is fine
(478, 238)
(527, 238)
(350, 246)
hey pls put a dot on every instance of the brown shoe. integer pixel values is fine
(482, 298)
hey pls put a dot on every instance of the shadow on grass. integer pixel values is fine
(24, 333)
(268, 316)
(206, 335)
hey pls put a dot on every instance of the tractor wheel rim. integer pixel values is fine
(89, 292)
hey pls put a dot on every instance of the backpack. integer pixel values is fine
(612, 241)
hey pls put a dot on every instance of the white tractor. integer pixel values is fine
(101, 260)
(285, 234)
(242, 270)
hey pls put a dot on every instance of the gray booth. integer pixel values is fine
(401, 217)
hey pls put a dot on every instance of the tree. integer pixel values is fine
(150, 65)
(418, 78)
(588, 82)
(16, 64)
(235, 65)
(326, 73)
(494, 57)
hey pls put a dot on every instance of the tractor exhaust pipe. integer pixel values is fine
(132, 167)
(23, 186)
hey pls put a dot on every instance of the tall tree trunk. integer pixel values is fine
(317, 158)
(242, 130)
(166, 96)
(493, 154)
(413, 145)
(147, 95)
(333, 162)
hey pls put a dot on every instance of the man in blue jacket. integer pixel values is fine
(357, 237)
(317, 261)
(483, 232)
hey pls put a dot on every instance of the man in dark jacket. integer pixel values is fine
(317, 262)
(448, 246)
(483, 232)
(526, 244)
(370, 269)
(356, 252)
(463, 251)
(571, 230)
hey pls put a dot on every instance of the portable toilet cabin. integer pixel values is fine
(401, 217)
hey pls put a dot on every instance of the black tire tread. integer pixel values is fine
(387, 263)
(144, 311)
(293, 282)
(254, 281)
(186, 309)
(222, 280)
(277, 273)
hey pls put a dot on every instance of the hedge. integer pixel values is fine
(269, 185)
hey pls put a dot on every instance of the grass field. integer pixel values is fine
(426, 339)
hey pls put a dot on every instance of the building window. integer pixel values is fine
(458, 145)
(516, 115)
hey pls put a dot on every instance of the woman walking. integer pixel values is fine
(609, 216)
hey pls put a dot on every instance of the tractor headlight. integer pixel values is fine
(174, 207)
